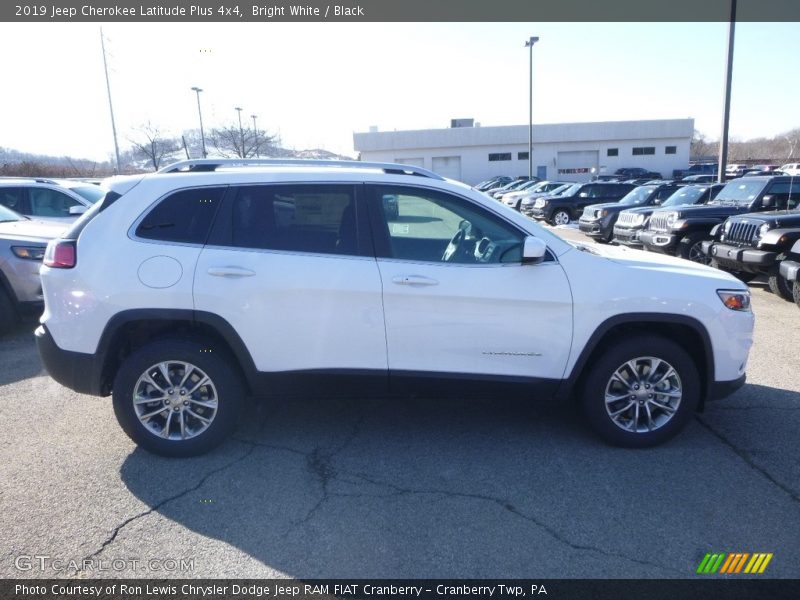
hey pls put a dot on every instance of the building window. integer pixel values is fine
(499, 156)
(522, 156)
(671, 150)
(644, 150)
(612, 152)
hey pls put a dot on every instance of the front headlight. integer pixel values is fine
(601, 213)
(637, 220)
(762, 231)
(28, 252)
(735, 299)
(671, 218)
(540, 203)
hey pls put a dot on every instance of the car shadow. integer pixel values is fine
(19, 358)
(447, 488)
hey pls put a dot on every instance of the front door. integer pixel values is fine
(457, 299)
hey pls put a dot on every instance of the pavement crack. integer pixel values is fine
(157, 506)
(509, 507)
(793, 494)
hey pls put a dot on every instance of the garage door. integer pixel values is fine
(448, 166)
(576, 165)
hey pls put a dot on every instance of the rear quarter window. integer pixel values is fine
(184, 216)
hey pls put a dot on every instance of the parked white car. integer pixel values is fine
(791, 169)
(183, 292)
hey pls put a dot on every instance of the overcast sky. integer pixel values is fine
(317, 83)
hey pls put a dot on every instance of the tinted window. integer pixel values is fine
(671, 150)
(786, 194)
(184, 216)
(50, 203)
(437, 227)
(12, 198)
(298, 218)
(499, 156)
(644, 150)
(522, 156)
(612, 152)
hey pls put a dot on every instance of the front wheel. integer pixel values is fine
(691, 248)
(779, 286)
(641, 391)
(178, 397)
(561, 217)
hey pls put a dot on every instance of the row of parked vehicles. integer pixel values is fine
(748, 226)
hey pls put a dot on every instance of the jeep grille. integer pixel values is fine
(658, 222)
(742, 232)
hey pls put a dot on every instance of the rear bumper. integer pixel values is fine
(75, 370)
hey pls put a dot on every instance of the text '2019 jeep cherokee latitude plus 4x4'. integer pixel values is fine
(183, 292)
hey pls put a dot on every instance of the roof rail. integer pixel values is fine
(30, 178)
(212, 164)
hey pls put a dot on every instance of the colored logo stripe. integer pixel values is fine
(734, 562)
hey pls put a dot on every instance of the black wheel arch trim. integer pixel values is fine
(571, 381)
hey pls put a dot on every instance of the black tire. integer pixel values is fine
(8, 314)
(216, 364)
(796, 292)
(599, 379)
(554, 218)
(742, 276)
(689, 247)
(779, 286)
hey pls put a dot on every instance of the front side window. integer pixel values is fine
(786, 194)
(297, 218)
(50, 203)
(434, 226)
(184, 216)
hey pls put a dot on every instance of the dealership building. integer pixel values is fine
(566, 151)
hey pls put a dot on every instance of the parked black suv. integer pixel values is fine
(568, 206)
(632, 221)
(755, 244)
(597, 220)
(682, 230)
(637, 173)
(697, 169)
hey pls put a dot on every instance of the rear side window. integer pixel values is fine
(295, 218)
(184, 216)
(12, 198)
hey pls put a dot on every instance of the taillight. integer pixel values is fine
(60, 254)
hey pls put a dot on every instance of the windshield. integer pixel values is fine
(557, 191)
(686, 195)
(638, 196)
(572, 189)
(739, 192)
(6, 215)
(92, 193)
(528, 185)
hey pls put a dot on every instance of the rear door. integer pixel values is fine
(291, 269)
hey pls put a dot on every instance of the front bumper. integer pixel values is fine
(75, 370)
(598, 228)
(790, 270)
(538, 213)
(660, 241)
(739, 257)
(627, 236)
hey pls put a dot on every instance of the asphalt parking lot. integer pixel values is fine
(419, 488)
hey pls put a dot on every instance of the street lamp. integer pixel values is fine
(241, 131)
(200, 114)
(529, 44)
(255, 132)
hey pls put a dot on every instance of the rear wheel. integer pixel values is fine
(779, 286)
(691, 249)
(178, 397)
(641, 391)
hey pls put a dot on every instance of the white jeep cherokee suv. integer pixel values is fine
(184, 292)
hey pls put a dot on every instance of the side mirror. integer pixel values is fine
(533, 251)
(768, 201)
(78, 209)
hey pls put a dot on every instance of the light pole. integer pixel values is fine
(255, 132)
(241, 131)
(529, 44)
(726, 107)
(110, 106)
(200, 114)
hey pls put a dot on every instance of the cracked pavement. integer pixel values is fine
(396, 489)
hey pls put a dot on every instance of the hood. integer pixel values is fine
(653, 261)
(776, 218)
(33, 230)
(642, 210)
(609, 206)
(706, 210)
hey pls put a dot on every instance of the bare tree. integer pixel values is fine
(700, 146)
(152, 145)
(232, 141)
(793, 141)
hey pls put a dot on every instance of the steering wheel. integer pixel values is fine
(457, 249)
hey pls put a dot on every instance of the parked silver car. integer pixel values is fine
(22, 245)
(61, 200)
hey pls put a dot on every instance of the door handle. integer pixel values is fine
(230, 272)
(414, 280)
